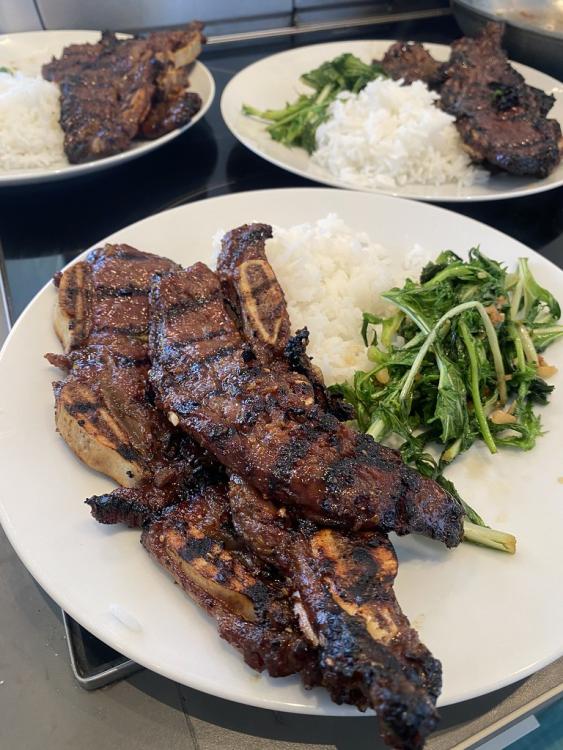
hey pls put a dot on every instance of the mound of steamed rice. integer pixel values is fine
(331, 274)
(389, 135)
(30, 135)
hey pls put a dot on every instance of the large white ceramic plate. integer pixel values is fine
(273, 81)
(28, 51)
(491, 618)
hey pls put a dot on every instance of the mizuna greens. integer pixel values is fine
(460, 361)
(296, 124)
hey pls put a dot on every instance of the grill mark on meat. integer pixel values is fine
(194, 303)
(196, 543)
(103, 292)
(130, 330)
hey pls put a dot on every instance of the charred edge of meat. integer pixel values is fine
(299, 361)
(248, 602)
(170, 114)
(131, 506)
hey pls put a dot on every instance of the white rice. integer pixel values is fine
(331, 274)
(391, 135)
(30, 135)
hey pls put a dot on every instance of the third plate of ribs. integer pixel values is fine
(263, 422)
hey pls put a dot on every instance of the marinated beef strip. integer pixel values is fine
(248, 599)
(368, 654)
(263, 424)
(117, 89)
(104, 408)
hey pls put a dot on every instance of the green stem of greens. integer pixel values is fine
(486, 537)
(475, 390)
(432, 335)
(527, 343)
(377, 429)
(516, 298)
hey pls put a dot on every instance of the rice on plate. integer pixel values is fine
(30, 134)
(330, 275)
(389, 135)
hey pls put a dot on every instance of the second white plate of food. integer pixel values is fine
(26, 52)
(491, 618)
(274, 81)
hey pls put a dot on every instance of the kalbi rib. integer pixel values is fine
(254, 293)
(369, 655)
(103, 407)
(195, 542)
(263, 423)
(410, 62)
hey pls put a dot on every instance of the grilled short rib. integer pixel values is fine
(501, 120)
(103, 407)
(254, 294)
(368, 654)
(263, 423)
(119, 89)
(249, 600)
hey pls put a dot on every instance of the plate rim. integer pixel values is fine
(335, 182)
(119, 642)
(42, 175)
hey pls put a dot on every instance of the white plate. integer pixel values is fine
(491, 618)
(273, 81)
(29, 50)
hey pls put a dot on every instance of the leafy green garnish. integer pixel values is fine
(296, 124)
(458, 362)
(4, 69)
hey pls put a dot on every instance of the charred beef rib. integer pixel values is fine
(249, 600)
(263, 422)
(410, 62)
(368, 654)
(103, 407)
(501, 120)
(118, 89)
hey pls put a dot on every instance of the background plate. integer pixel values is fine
(491, 618)
(273, 81)
(29, 50)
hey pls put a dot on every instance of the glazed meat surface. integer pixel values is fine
(499, 117)
(411, 62)
(254, 294)
(249, 600)
(368, 654)
(103, 407)
(263, 422)
(117, 89)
